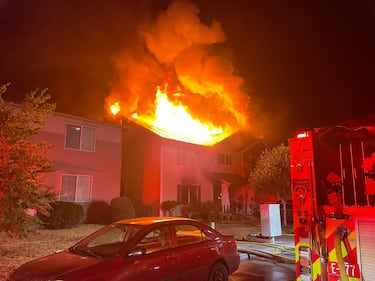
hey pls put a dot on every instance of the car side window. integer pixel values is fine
(189, 234)
(156, 240)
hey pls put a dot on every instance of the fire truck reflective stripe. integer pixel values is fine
(366, 248)
(316, 270)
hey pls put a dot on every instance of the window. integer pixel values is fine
(188, 193)
(188, 234)
(224, 159)
(108, 243)
(185, 157)
(80, 137)
(75, 188)
(118, 233)
(156, 240)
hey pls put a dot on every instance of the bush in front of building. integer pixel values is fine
(167, 206)
(122, 208)
(208, 210)
(63, 215)
(99, 212)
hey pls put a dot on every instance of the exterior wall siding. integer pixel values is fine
(154, 168)
(103, 164)
(175, 172)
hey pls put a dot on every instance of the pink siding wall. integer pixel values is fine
(174, 173)
(104, 164)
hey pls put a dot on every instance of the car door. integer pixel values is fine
(195, 252)
(158, 260)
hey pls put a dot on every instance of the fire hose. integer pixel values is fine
(341, 235)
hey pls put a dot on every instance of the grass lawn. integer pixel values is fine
(15, 251)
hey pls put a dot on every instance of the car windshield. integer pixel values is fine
(106, 242)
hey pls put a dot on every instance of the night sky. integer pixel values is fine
(304, 64)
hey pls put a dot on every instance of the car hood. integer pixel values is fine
(52, 266)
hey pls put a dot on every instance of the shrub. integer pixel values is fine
(98, 212)
(122, 208)
(166, 206)
(63, 215)
(208, 210)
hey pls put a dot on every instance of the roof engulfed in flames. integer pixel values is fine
(200, 101)
(174, 121)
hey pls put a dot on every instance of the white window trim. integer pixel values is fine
(227, 159)
(76, 189)
(80, 140)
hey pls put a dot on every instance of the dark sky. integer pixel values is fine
(305, 63)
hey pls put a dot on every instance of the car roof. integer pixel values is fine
(152, 220)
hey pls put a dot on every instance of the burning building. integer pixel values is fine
(157, 169)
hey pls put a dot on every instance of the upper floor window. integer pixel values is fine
(224, 159)
(80, 137)
(75, 188)
(185, 157)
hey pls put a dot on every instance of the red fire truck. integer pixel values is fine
(333, 191)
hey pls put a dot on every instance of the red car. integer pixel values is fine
(155, 248)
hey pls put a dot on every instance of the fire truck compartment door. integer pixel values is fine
(367, 247)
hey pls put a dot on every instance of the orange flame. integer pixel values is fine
(213, 104)
(172, 120)
(115, 108)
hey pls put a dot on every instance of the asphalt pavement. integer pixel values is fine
(251, 242)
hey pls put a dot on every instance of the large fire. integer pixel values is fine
(201, 99)
(172, 120)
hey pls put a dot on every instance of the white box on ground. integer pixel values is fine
(270, 220)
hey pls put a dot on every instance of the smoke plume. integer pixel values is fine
(178, 49)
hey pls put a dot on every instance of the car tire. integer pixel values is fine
(218, 272)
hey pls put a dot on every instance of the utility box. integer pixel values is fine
(270, 220)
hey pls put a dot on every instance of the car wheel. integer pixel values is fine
(218, 272)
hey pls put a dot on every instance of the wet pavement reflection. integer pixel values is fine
(259, 269)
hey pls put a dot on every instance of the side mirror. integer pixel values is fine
(137, 252)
